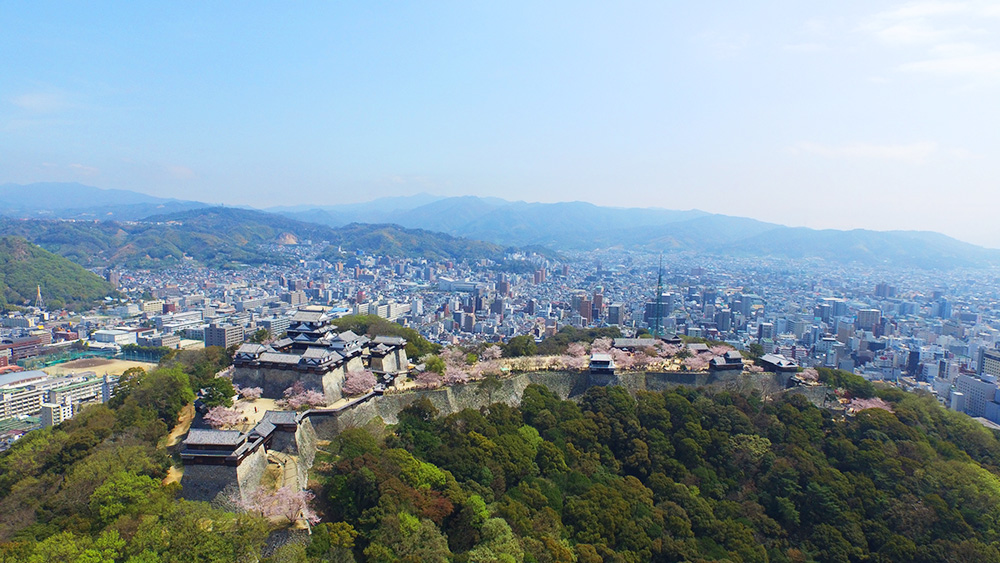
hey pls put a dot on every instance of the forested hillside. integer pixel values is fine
(682, 475)
(24, 267)
(678, 476)
(226, 236)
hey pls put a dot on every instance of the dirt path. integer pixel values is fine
(174, 475)
(180, 430)
(183, 425)
(289, 469)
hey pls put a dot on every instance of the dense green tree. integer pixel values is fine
(435, 364)
(260, 336)
(523, 345)
(218, 391)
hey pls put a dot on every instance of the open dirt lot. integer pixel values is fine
(100, 366)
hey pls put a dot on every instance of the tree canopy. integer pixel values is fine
(682, 475)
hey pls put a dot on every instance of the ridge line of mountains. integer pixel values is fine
(125, 227)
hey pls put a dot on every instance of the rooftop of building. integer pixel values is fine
(633, 342)
(19, 376)
(204, 437)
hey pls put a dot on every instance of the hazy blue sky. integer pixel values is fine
(838, 114)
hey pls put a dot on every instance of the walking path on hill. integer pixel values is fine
(183, 425)
(289, 468)
(180, 430)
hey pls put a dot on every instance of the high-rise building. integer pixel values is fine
(765, 331)
(884, 290)
(616, 313)
(55, 413)
(586, 309)
(978, 393)
(724, 320)
(868, 319)
(989, 362)
(668, 302)
(223, 335)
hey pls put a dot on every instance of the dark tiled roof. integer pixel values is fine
(633, 342)
(278, 358)
(308, 316)
(347, 336)
(251, 349)
(202, 437)
(280, 417)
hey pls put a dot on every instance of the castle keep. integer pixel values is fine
(316, 356)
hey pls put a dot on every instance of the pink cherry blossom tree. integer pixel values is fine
(358, 382)
(429, 380)
(453, 356)
(453, 375)
(298, 397)
(623, 360)
(696, 363)
(875, 403)
(601, 346)
(573, 362)
(667, 350)
(719, 349)
(643, 359)
(285, 502)
(809, 374)
(488, 367)
(251, 393)
(491, 353)
(223, 417)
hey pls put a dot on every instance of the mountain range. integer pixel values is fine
(410, 225)
(227, 237)
(583, 226)
(54, 200)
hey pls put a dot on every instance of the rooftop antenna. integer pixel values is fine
(658, 322)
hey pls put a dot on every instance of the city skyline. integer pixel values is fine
(863, 115)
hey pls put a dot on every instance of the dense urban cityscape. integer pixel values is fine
(914, 329)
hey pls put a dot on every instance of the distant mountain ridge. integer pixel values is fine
(583, 226)
(78, 201)
(921, 249)
(569, 226)
(228, 236)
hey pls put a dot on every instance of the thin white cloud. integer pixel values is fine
(40, 102)
(950, 36)
(807, 47)
(926, 9)
(83, 170)
(909, 152)
(724, 46)
(973, 64)
(919, 33)
(180, 172)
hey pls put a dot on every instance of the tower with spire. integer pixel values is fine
(658, 319)
(38, 300)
